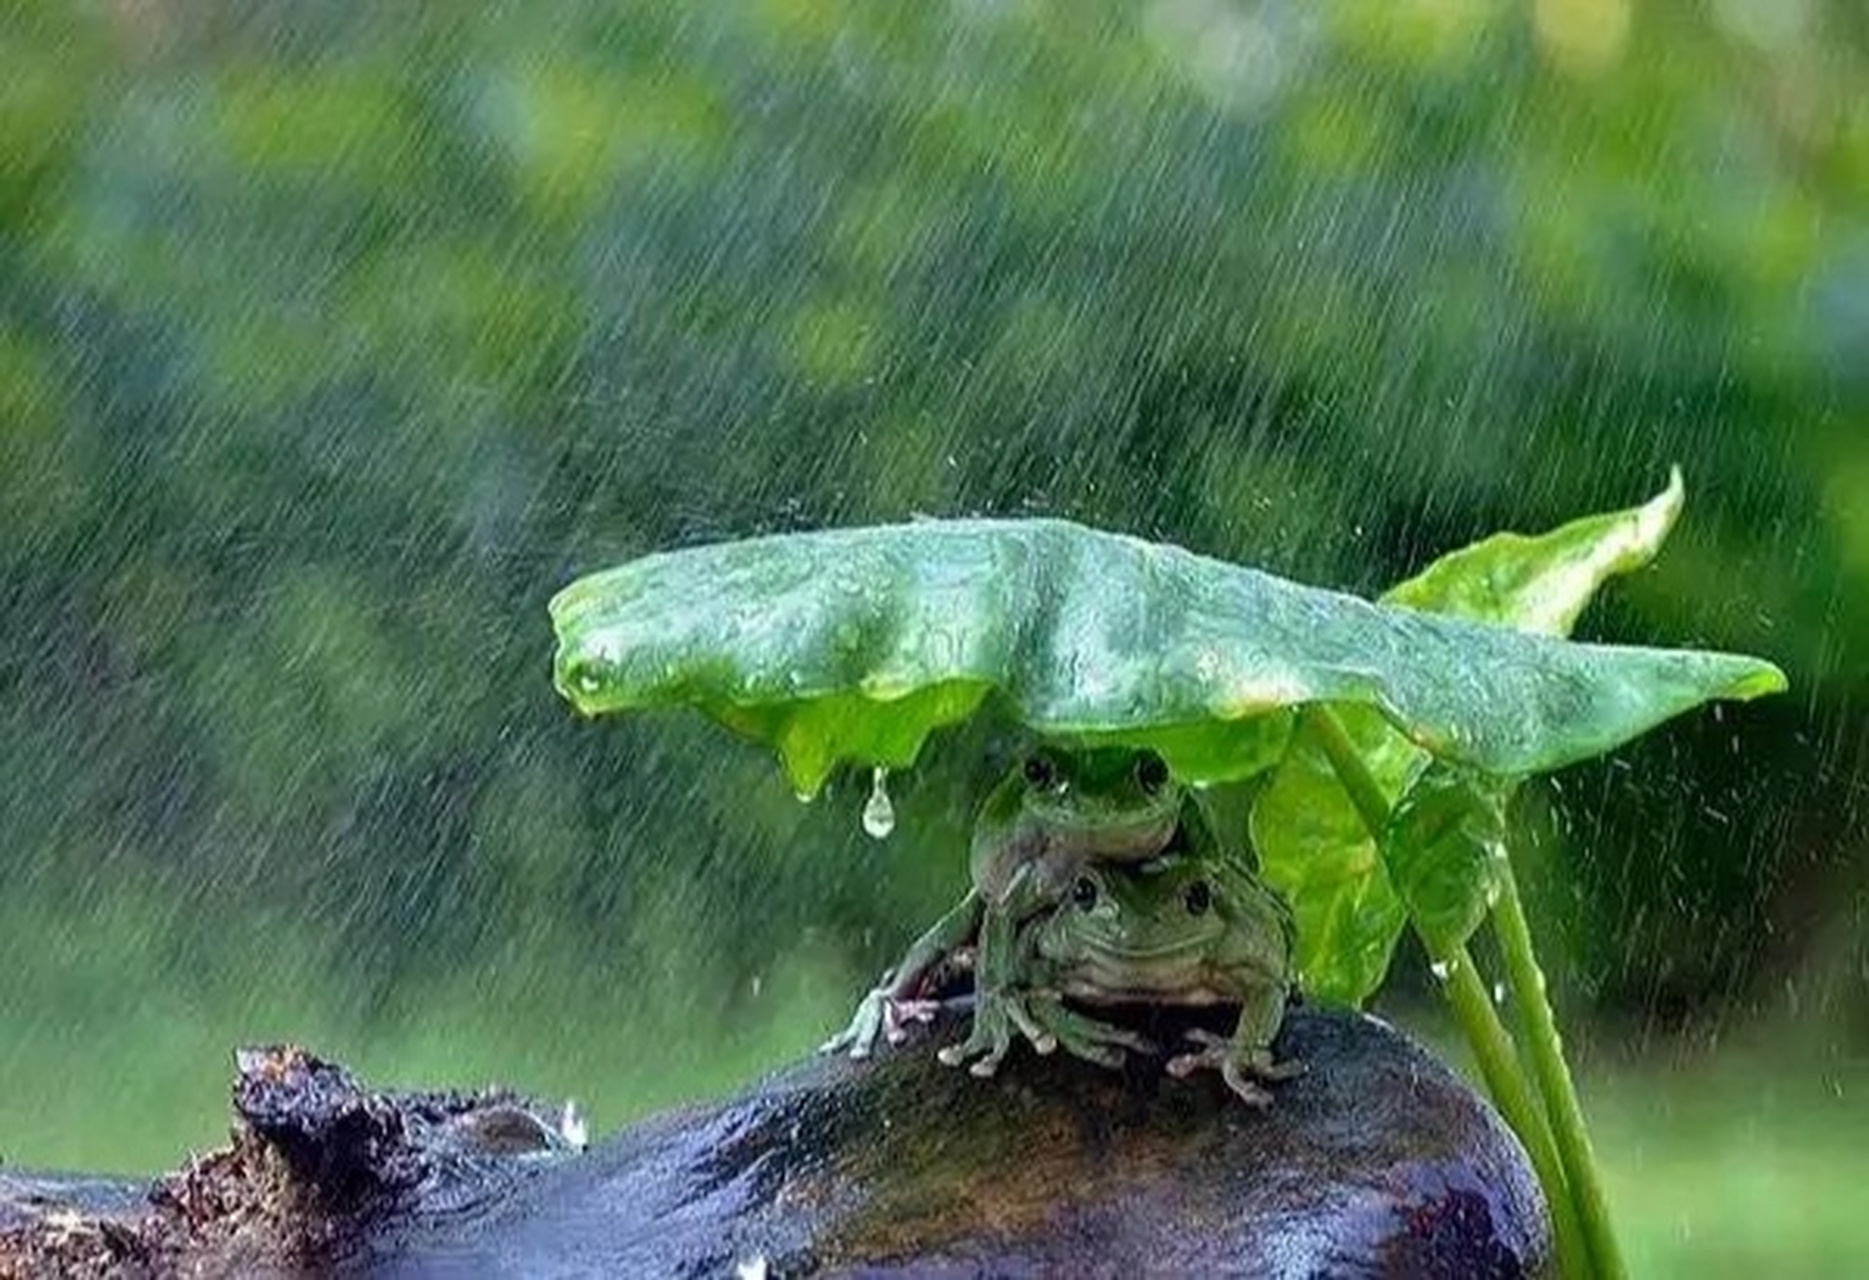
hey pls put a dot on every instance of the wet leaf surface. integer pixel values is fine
(852, 645)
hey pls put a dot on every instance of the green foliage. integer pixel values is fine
(1542, 583)
(1311, 840)
(849, 646)
(329, 334)
(1442, 849)
(1315, 848)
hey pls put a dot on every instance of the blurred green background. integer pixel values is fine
(334, 338)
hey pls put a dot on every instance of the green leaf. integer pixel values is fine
(1314, 848)
(1443, 846)
(853, 645)
(1541, 583)
(1311, 842)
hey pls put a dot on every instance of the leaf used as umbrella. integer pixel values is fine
(852, 645)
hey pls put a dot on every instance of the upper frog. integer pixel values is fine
(1060, 808)
(1191, 928)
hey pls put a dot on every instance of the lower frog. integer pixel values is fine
(1056, 811)
(1188, 928)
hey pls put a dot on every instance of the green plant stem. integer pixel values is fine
(1527, 984)
(1492, 1048)
(1487, 1038)
(1358, 782)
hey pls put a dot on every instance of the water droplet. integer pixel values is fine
(1499, 993)
(879, 815)
(1441, 970)
(804, 797)
(588, 681)
(572, 1125)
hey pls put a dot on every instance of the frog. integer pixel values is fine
(1192, 927)
(1059, 808)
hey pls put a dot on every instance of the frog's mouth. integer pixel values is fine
(1118, 971)
(1144, 954)
(1135, 841)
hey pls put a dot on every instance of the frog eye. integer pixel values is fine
(1041, 770)
(1151, 772)
(1084, 893)
(1197, 897)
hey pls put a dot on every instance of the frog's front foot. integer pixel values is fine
(881, 1012)
(1241, 1066)
(995, 1019)
(1085, 1037)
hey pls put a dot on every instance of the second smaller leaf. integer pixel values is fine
(1444, 848)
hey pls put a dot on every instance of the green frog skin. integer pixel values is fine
(1190, 928)
(1056, 811)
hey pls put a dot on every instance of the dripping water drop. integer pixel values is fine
(879, 815)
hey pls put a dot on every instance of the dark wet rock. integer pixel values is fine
(1378, 1161)
(63, 1226)
(357, 1151)
(318, 1168)
(26, 1197)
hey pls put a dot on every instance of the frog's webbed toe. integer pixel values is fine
(900, 1015)
(859, 1038)
(1241, 1066)
(883, 1013)
(996, 1018)
(1086, 1037)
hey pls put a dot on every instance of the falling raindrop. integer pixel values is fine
(573, 1127)
(1499, 993)
(879, 815)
